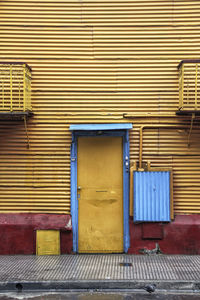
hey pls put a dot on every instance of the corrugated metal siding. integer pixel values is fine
(151, 196)
(93, 61)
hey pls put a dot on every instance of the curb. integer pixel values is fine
(27, 286)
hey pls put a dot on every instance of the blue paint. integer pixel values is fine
(151, 196)
(115, 126)
(126, 190)
(74, 200)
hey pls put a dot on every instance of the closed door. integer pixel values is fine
(100, 195)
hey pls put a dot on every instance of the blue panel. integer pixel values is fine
(151, 196)
(115, 126)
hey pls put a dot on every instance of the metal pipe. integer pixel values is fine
(26, 129)
(11, 91)
(24, 87)
(182, 88)
(150, 115)
(196, 83)
(141, 146)
(191, 125)
(146, 115)
(2, 93)
(157, 127)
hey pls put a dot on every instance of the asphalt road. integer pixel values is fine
(98, 296)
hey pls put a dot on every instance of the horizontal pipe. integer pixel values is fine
(149, 115)
(156, 115)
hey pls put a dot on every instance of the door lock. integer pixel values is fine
(79, 188)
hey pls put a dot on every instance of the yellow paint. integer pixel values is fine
(100, 194)
(196, 87)
(188, 86)
(24, 87)
(182, 85)
(15, 87)
(11, 89)
(132, 169)
(94, 61)
(47, 242)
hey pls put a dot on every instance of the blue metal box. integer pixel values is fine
(151, 192)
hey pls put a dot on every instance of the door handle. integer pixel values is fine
(79, 188)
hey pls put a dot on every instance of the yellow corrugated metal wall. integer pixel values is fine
(94, 61)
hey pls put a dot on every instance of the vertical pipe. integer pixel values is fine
(19, 92)
(26, 129)
(2, 93)
(24, 87)
(180, 87)
(11, 95)
(196, 81)
(182, 94)
(140, 151)
(29, 92)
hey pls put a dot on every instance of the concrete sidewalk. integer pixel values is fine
(99, 272)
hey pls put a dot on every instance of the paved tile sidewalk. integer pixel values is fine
(99, 267)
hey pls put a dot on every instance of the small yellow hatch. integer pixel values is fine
(48, 242)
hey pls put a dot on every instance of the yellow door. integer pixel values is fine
(100, 194)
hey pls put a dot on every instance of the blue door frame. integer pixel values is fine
(74, 201)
